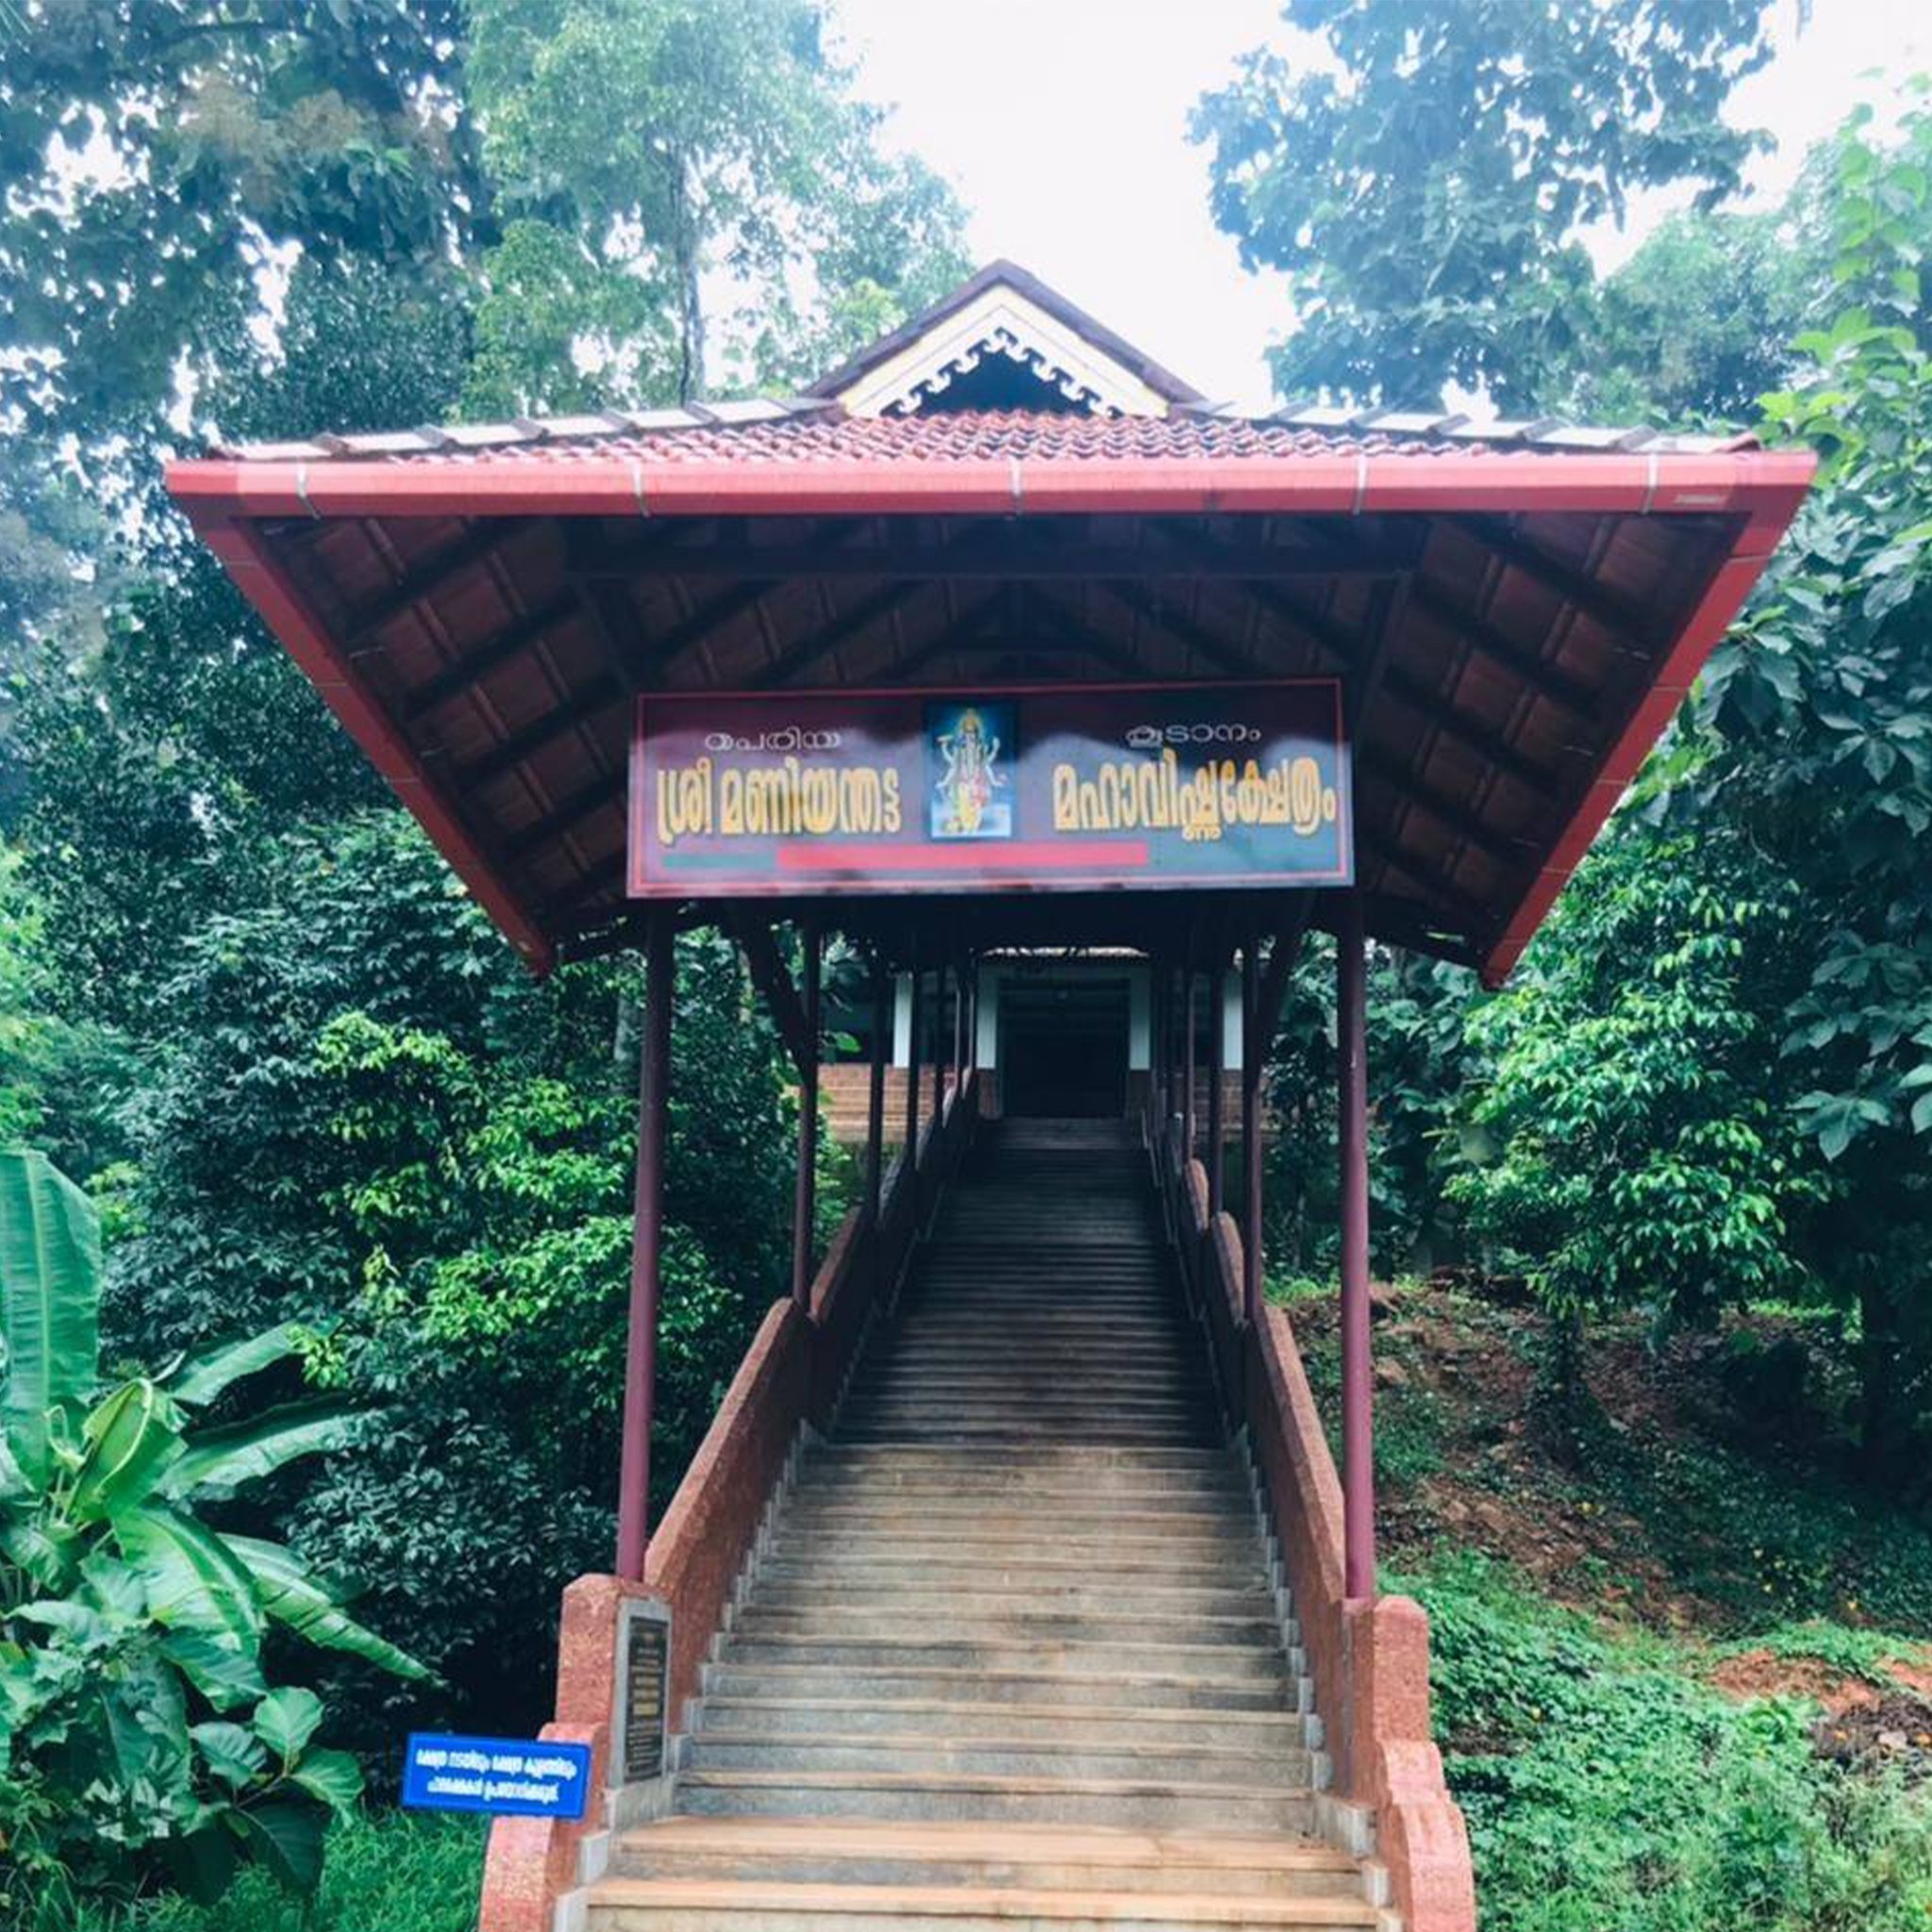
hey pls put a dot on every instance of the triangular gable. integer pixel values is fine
(1004, 321)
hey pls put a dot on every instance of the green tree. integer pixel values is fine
(201, 146)
(693, 194)
(360, 1112)
(1627, 1148)
(1821, 708)
(1424, 184)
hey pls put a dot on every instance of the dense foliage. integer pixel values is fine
(241, 999)
(1422, 182)
(139, 1732)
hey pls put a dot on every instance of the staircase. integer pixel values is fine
(1013, 1658)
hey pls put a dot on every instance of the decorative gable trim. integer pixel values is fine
(999, 321)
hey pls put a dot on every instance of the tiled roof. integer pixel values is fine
(802, 430)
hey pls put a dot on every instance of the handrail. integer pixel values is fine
(1369, 1656)
(789, 1383)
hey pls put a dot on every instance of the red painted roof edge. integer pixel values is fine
(1655, 482)
(221, 496)
(305, 637)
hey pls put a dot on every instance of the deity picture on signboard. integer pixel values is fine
(969, 795)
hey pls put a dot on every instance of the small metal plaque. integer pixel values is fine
(646, 1673)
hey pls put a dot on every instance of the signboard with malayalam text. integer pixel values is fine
(509, 1777)
(997, 789)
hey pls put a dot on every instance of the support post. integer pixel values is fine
(1357, 1375)
(958, 1026)
(1157, 1057)
(908, 1161)
(875, 1087)
(805, 1195)
(1191, 979)
(647, 1244)
(1252, 1054)
(1217, 1079)
(938, 1040)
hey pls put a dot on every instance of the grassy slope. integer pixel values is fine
(387, 1873)
(1678, 1655)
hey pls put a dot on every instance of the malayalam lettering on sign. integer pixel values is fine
(1068, 788)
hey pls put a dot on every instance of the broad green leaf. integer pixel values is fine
(50, 1291)
(233, 1753)
(288, 1839)
(285, 1721)
(46, 1557)
(226, 1675)
(131, 1439)
(204, 1863)
(194, 1580)
(244, 1452)
(333, 1776)
(202, 1378)
(292, 1597)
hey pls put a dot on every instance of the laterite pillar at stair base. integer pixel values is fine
(532, 1861)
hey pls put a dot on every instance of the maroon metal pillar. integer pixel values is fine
(647, 1243)
(1217, 1080)
(1357, 1373)
(805, 1195)
(1253, 1052)
(958, 1026)
(916, 1017)
(1156, 1060)
(875, 1087)
(939, 1041)
(1187, 1061)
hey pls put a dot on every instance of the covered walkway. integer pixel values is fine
(1001, 644)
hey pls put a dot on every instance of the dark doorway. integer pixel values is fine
(1063, 1048)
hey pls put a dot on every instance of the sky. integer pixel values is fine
(1062, 124)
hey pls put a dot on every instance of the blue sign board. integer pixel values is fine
(513, 1777)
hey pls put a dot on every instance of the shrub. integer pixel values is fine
(140, 1740)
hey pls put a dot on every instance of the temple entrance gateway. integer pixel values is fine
(1058, 710)
(1063, 1045)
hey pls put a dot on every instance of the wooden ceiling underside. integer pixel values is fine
(1492, 663)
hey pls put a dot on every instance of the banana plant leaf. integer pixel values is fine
(131, 1439)
(225, 1458)
(50, 1290)
(201, 1377)
(194, 1581)
(292, 1597)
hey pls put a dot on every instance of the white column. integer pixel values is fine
(1231, 1020)
(987, 1053)
(1139, 1021)
(902, 1020)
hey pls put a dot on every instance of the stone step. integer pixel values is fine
(1017, 1432)
(1082, 1460)
(1147, 1801)
(1151, 1689)
(1124, 1623)
(1071, 1756)
(671, 1905)
(1228, 1551)
(1028, 1856)
(1156, 1512)
(842, 1575)
(961, 1720)
(912, 1596)
(1217, 1483)
(1241, 1661)
(868, 1409)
